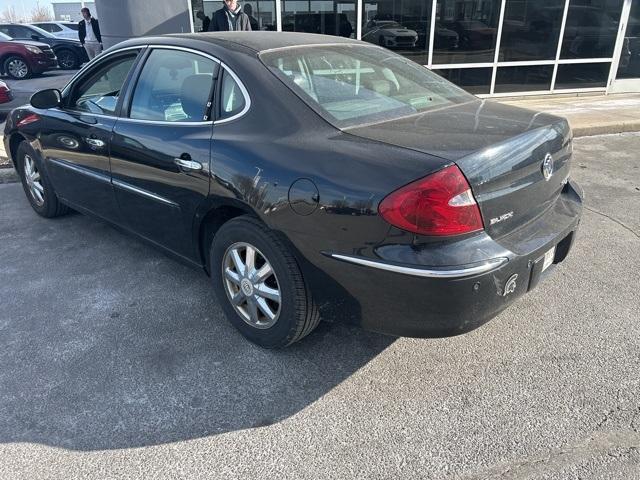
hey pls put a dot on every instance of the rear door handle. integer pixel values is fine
(187, 164)
(95, 142)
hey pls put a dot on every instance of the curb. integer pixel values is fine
(607, 129)
(8, 175)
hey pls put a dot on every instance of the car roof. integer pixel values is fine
(259, 41)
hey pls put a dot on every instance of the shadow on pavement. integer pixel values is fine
(106, 343)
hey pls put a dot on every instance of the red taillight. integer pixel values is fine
(32, 117)
(439, 204)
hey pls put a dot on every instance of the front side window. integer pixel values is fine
(232, 100)
(100, 91)
(353, 85)
(22, 32)
(174, 86)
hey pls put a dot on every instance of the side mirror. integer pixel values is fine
(48, 98)
(35, 37)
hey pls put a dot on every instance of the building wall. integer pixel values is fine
(124, 19)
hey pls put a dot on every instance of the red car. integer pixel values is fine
(24, 58)
(5, 93)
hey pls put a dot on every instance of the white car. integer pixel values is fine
(60, 29)
(389, 34)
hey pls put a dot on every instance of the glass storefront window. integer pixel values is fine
(587, 75)
(591, 29)
(531, 30)
(262, 13)
(629, 66)
(400, 25)
(474, 22)
(320, 16)
(473, 80)
(523, 79)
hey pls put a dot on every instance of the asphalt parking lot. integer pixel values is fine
(23, 89)
(116, 362)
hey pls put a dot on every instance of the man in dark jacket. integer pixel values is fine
(230, 18)
(89, 34)
(205, 20)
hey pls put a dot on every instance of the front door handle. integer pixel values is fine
(95, 142)
(185, 164)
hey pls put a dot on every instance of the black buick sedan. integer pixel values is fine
(310, 176)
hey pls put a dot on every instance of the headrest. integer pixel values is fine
(194, 95)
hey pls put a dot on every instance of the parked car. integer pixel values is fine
(5, 93)
(70, 53)
(390, 34)
(60, 29)
(310, 176)
(473, 34)
(22, 59)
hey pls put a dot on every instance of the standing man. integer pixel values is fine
(230, 18)
(89, 34)
(205, 20)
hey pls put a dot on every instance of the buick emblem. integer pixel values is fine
(547, 166)
(511, 285)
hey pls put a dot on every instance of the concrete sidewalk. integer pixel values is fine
(587, 114)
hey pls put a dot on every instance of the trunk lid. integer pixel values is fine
(501, 151)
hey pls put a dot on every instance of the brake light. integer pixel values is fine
(32, 117)
(440, 204)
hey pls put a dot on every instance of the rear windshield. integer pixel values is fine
(351, 85)
(72, 26)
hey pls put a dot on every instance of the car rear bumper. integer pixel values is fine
(409, 298)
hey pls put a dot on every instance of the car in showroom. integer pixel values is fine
(60, 29)
(23, 59)
(310, 176)
(70, 53)
(389, 34)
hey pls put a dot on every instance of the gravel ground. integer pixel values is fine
(115, 362)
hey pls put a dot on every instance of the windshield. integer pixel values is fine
(351, 85)
(4, 36)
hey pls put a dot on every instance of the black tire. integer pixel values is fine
(17, 67)
(48, 206)
(67, 60)
(298, 314)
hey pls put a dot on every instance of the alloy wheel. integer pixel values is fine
(66, 60)
(17, 68)
(34, 181)
(251, 285)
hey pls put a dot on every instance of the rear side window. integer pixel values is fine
(174, 86)
(232, 101)
(72, 26)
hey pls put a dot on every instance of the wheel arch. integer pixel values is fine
(15, 140)
(213, 216)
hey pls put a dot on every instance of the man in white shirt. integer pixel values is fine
(89, 34)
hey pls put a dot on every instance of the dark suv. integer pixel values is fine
(70, 53)
(22, 59)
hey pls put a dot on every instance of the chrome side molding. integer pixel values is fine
(453, 272)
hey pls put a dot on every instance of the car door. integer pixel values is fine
(161, 147)
(75, 137)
